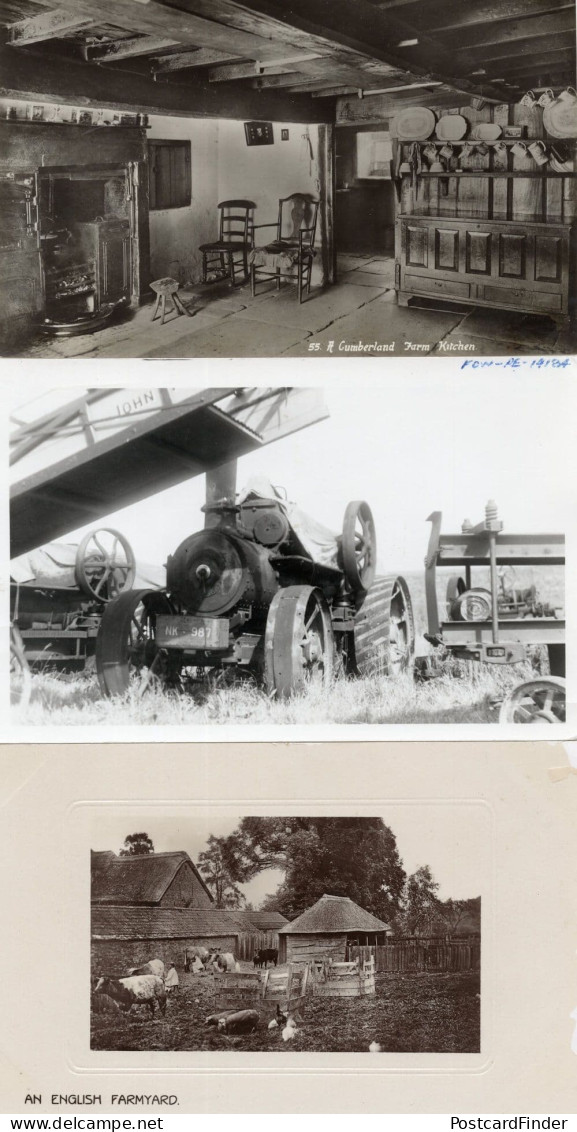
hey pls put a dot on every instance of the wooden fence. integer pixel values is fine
(249, 942)
(414, 954)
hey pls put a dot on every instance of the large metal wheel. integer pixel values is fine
(536, 701)
(384, 629)
(126, 643)
(105, 564)
(359, 546)
(299, 642)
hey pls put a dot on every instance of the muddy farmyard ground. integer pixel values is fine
(425, 1013)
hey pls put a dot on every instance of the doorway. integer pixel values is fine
(364, 198)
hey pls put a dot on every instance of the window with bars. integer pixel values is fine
(169, 174)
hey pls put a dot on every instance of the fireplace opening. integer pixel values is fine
(85, 240)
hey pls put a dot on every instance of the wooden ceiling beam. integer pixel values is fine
(493, 12)
(370, 31)
(531, 66)
(185, 60)
(127, 49)
(156, 18)
(234, 71)
(525, 50)
(47, 25)
(516, 30)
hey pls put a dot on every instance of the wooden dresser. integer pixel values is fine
(495, 263)
(492, 230)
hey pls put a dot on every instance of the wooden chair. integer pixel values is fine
(293, 251)
(235, 238)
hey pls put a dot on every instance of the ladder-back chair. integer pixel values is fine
(235, 239)
(293, 250)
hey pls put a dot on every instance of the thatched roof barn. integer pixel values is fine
(328, 928)
(157, 905)
(153, 879)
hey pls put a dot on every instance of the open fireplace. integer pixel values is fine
(85, 227)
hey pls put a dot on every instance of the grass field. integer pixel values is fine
(408, 1014)
(463, 692)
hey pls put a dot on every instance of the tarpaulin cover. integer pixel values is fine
(320, 543)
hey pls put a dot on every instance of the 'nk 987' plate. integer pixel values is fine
(184, 632)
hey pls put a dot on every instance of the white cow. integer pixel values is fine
(136, 990)
(223, 961)
(153, 967)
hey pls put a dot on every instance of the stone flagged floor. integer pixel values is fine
(358, 316)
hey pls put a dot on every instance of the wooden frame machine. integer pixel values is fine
(498, 624)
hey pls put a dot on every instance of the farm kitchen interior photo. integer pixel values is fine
(389, 957)
(265, 609)
(409, 166)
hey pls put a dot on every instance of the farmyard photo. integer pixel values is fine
(215, 179)
(289, 934)
(288, 556)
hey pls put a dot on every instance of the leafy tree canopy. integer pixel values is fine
(355, 857)
(136, 845)
(214, 867)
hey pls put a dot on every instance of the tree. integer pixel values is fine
(214, 867)
(137, 845)
(421, 905)
(355, 857)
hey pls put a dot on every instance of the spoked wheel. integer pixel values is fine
(299, 642)
(126, 643)
(105, 564)
(359, 546)
(455, 587)
(384, 629)
(535, 701)
(20, 675)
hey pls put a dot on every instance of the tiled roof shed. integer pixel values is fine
(126, 936)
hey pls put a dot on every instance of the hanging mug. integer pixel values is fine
(546, 98)
(482, 149)
(477, 103)
(467, 150)
(519, 149)
(568, 95)
(528, 99)
(447, 150)
(499, 149)
(538, 152)
(430, 152)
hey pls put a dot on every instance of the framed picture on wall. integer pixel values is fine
(259, 133)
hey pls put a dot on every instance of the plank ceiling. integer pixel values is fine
(407, 48)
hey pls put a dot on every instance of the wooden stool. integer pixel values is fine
(167, 289)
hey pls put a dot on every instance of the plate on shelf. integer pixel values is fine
(487, 131)
(560, 119)
(415, 123)
(451, 127)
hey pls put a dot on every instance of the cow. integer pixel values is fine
(223, 961)
(136, 990)
(153, 967)
(265, 956)
(195, 958)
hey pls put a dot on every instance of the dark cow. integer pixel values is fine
(265, 956)
(137, 990)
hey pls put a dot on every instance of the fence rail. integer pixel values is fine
(424, 953)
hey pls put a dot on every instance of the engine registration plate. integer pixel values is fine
(184, 632)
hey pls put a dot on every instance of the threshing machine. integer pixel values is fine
(498, 621)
